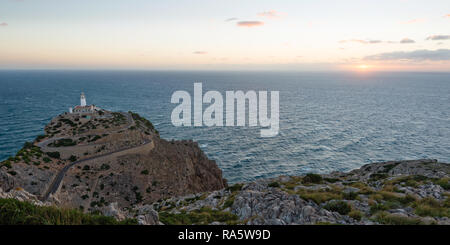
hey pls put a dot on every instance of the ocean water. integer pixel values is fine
(328, 121)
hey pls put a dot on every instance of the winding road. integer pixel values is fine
(60, 176)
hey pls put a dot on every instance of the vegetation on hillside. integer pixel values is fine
(14, 212)
(142, 121)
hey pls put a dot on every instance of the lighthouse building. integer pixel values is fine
(83, 108)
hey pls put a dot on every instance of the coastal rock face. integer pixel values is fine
(22, 195)
(90, 162)
(430, 168)
(400, 192)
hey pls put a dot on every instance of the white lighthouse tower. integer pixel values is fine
(82, 99)
(83, 108)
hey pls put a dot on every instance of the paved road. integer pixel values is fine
(59, 177)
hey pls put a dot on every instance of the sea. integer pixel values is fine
(329, 121)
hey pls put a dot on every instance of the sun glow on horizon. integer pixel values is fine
(363, 67)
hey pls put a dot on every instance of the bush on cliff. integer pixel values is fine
(394, 219)
(273, 184)
(338, 206)
(431, 207)
(312, 178)
(202, 216)
(14, 212)
(235, 187)
(55, 154)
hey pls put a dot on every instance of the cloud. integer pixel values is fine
(231, 19)
(353, 40)
(361, 41)
(250, 23)
(447, 16)
(438, 37)
(271, 14)
(3, 24)
(199, 52)
(407, 40)
(416, 55)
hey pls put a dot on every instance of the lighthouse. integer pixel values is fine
(83, 108)
(82, 99)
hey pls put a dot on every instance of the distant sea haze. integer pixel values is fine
(328, 121)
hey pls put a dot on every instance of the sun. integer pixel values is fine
(363, 67)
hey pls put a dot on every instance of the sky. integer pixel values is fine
(319, 35)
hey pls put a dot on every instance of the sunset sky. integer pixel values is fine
(226, 34)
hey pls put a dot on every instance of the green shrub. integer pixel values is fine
(72, 158)
(312, 178)
(40, 137)
(145, 172)
(274, 184)
(374, 208)
(28, 145)
(203, 216)
(378, 176)
(319, 196)
(355, 214)
(96, 137)
(331, 180)
(350, 195)
(7, 164)
(55, 154)
(431, 207)
(392, 219)
(338, 206)
(235, 187)
(14, 212)
(63, 143)
(138, 120)
(229, 202)
(47, 160)
(139, 197)
(444, 183)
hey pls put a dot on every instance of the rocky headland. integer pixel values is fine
(90, 161)
(116, 165)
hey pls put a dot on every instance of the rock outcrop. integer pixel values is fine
(400, 192)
